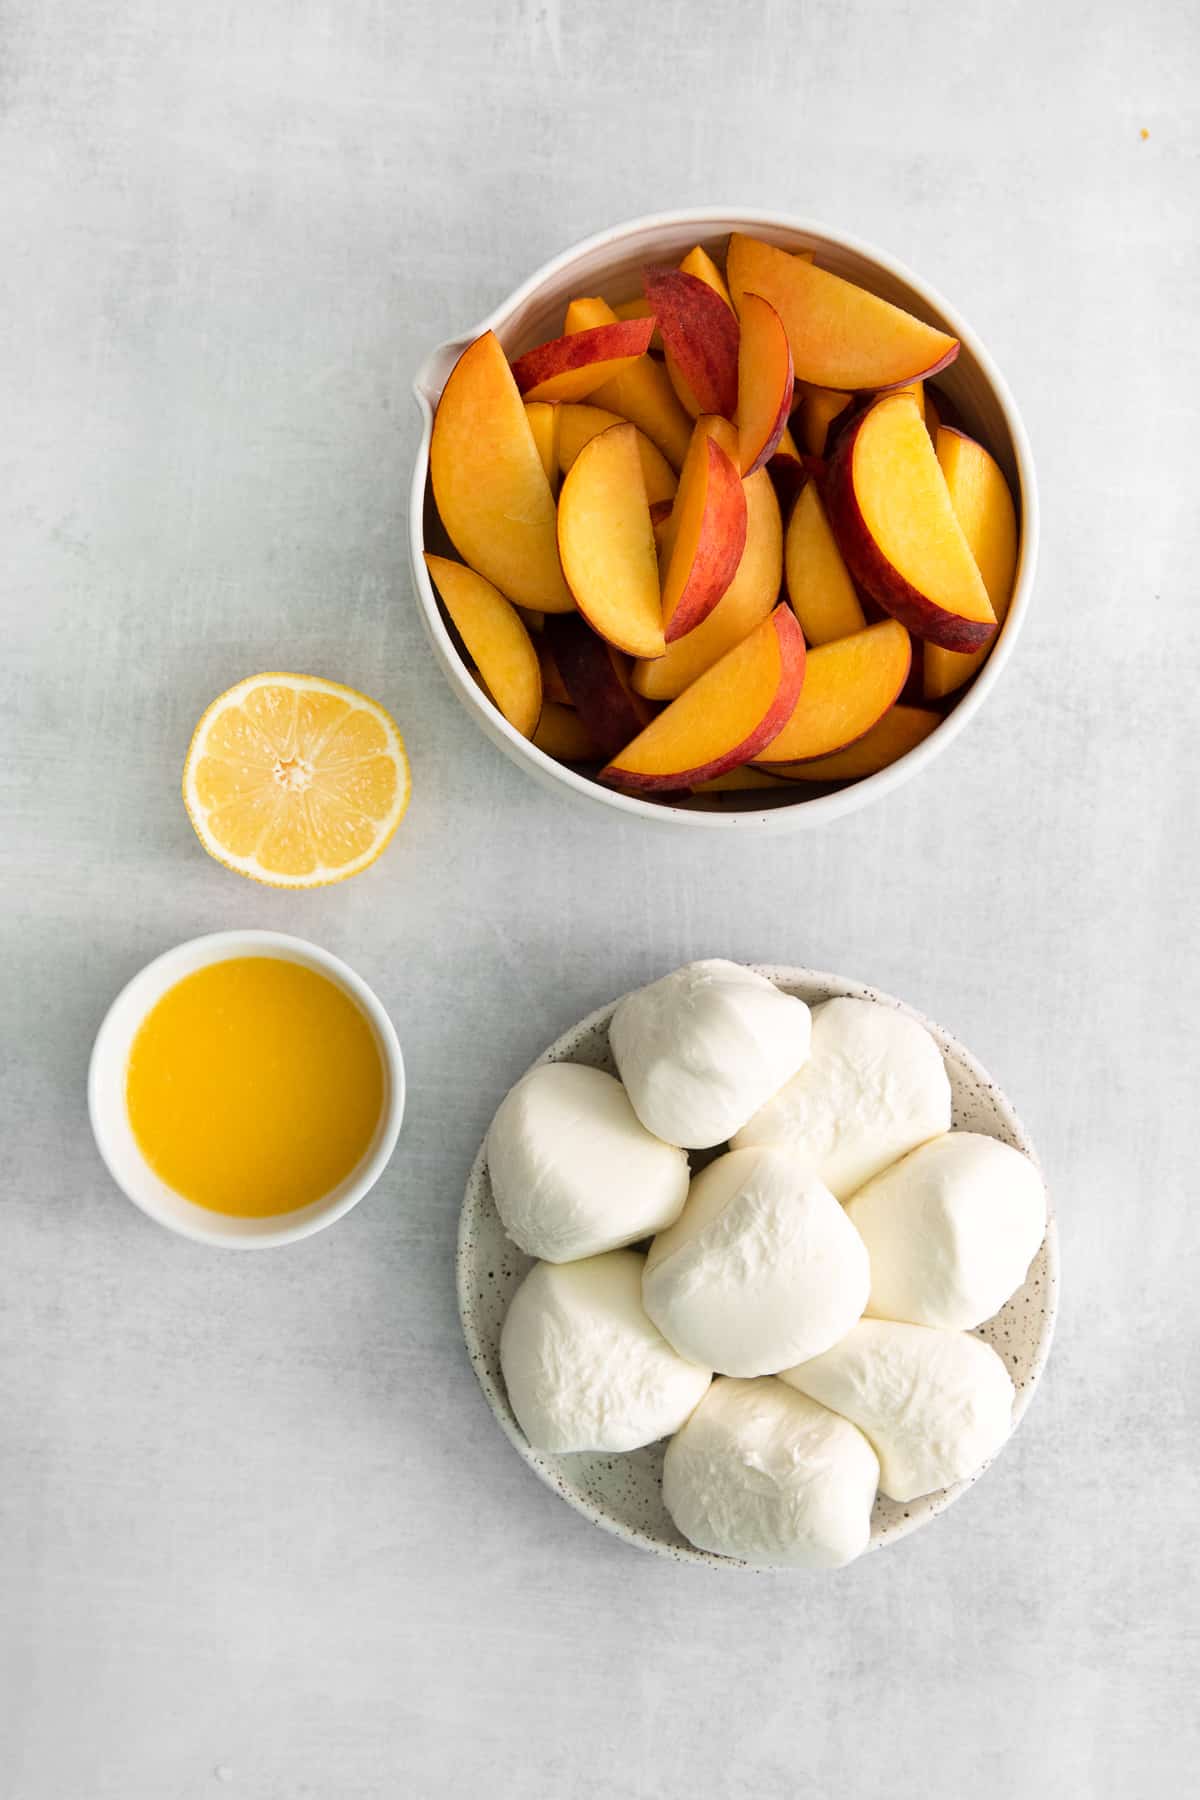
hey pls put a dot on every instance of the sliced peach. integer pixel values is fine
(787, 445)
(896, 526)
(841, 335)
(764, 383)
(543, 422)
(572, 367)
(606, 542)
(639, 308)
(491, 489)
(818, 581)
(933, 416)
(900, 730)
(561, 733)
(819, 407)
(726, 717)
(553, 686)
(706, 536)
(848, 686)
(984, 507)
(699, 263)
(495, 638)
(643, 394)
(700, 335)
(578, 425)
(745, 603)
(597, 682)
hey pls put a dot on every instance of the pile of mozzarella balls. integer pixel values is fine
(801, 1325)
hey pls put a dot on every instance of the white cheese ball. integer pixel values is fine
(700, 1050)
(936, 1405)
(762, 1269)
(873, 1088)
(951, 1231)
(584, 1367)
(762, 1473)
(573, 1171)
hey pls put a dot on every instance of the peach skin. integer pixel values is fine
(706, 538)
(727, 716)
(896, 527)
(764, 383)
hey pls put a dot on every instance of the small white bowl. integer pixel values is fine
(612, 262)
(110, 1117)
(623, 1494)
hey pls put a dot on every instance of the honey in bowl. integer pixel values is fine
(254, 1086)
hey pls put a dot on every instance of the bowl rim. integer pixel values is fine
(925, 1507)
(151, 1194)
(800, 814)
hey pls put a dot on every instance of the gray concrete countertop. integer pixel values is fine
(258, 1533)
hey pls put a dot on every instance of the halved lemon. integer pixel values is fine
(295, 781)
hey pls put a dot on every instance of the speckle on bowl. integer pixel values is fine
(623, 1494)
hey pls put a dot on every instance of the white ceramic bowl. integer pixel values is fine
(110, 1119)
(623, 1494)
(612, 262)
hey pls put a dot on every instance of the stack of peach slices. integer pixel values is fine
(628, 596)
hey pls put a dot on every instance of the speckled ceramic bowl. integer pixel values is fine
(623, 1494)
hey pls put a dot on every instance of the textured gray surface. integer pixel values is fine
(258, 1532)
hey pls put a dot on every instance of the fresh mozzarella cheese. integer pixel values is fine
(951, 1231)
(761, 1270)
(702, 1049)
(584, 1367)
(762, 1473)
(873, 1088)
(573, 1171)
(936, 1405)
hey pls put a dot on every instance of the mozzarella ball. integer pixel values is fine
(951, 1231)
(762, 1269)
(584, 1367)
(762, 1473)
(700, 1050)
(936, 1405)
(573, 1171)
(872, 1089)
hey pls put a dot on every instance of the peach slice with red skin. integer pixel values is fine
(818, 581)
(572, 367)
(705, 538)
(726, 717)
(606, 543)
(596, 678)
(984, 507)
(764, 397)
(642, 393)
(842, 336)
(700, 334)
(491, 490)
(495, 638)
(900, 730)
(848, 687)
(699, 263)
(745, 603)
(895, 525)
